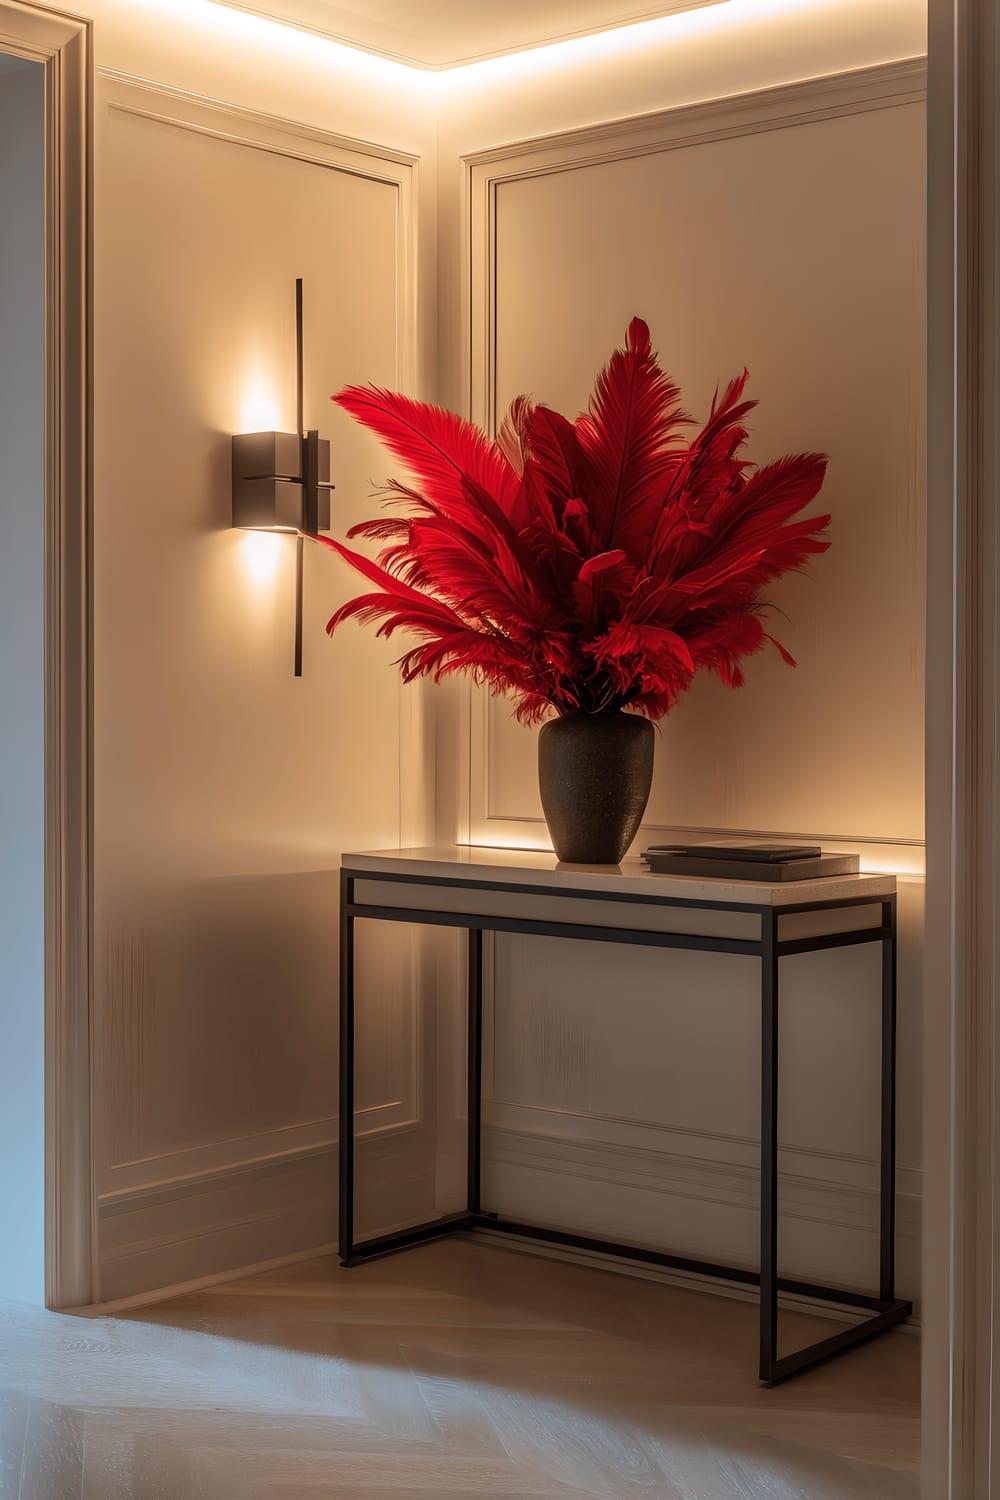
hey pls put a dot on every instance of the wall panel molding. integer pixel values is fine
(222, 1198)
(490, 820)
(257, 124)
(859, 91)
(904, 80)
(241, 1153)
(128, 95)
(579, 1161)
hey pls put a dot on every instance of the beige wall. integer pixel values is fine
(708, 54)
(797, 251)
(225, 789)
(785, 231)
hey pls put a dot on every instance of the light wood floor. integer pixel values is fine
(451, 1370)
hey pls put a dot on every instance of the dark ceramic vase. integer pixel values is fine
(594, 774)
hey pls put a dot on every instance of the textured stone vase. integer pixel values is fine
(594, 774)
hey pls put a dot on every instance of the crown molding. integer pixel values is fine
(409, 59)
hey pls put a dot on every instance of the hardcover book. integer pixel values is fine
(733, 849)
(669, 862)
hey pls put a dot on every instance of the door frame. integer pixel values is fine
(63, 45)
(962, 1038)
(961, 1033)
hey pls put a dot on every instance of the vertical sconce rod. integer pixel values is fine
(300, 420)
(300, 429)
(299, 549)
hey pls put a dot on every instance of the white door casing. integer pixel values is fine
(962, 790)
(961, 1059)
(63, 45)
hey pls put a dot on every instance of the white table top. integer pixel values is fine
(518, 867)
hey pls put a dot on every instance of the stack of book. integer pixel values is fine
(731, 860)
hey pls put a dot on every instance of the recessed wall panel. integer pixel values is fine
(797, 251)
(225, 786)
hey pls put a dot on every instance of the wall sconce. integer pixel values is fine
(281, 480)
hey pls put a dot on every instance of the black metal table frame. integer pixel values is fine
(883, 1311)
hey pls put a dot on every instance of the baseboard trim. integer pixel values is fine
(823, 1198)
(197, 1284)
(685, 1280)
(215, 1225)
(619, 1266)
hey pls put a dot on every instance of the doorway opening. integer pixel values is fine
(46, 128)
(22, 677)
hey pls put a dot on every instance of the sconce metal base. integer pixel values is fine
(281, 482)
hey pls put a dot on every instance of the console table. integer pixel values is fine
(494, 890)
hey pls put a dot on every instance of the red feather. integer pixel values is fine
(587, 567)
(634, 415)
(441, 450)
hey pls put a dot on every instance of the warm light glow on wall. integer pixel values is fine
(285, 45)
(906, 866)
(639, 37)
(909, 865)
(295, 45)
(524, 842)
(259, 407)
(261, 552)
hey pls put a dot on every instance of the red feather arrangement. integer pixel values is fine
(584, 567)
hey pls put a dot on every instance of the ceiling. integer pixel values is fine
(448, 33)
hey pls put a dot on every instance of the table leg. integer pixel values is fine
(475, 1070)
(887, 1186)
(346, 1072)
(769, 1146)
